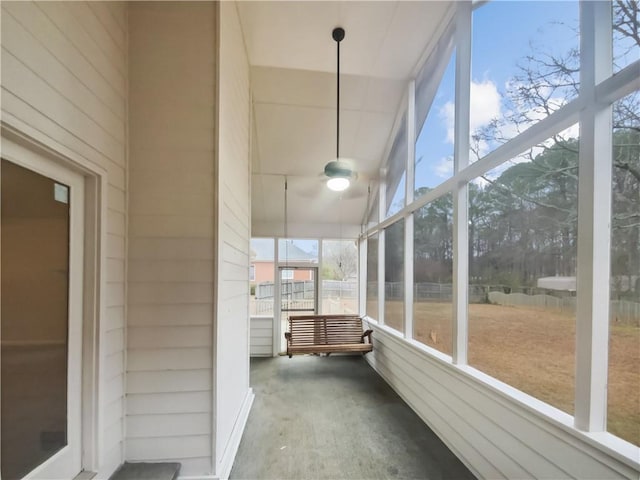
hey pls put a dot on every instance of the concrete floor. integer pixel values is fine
(335, 417)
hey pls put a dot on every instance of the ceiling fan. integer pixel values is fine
(339, 172)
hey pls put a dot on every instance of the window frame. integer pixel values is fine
(599, 89)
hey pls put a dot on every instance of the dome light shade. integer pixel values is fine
(338, 184)
(340, 175)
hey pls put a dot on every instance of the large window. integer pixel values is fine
(394, 276)
(525, 65)
(396, 171)
(261, 277)
(523, 241)
(297, 251)
(624, 336)
(372, 277)
(433, 274)
(339, 276)
(434, 145)
(374, 215)
(508, 233)
(626, 34)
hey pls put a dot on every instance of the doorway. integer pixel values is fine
(298, 295)
(41, 242)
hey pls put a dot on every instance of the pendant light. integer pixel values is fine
(338, 171)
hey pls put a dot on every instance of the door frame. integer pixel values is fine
(27, 141)
(278, 332)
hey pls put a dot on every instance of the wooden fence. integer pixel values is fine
(620, 311)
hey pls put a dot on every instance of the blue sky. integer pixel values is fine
(503, 32)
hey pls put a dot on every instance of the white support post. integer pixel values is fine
(277, 304)
(594, 221)
(382, 196)
(362, 276)
(381, 282)
(319, 287)
(382, 212)
(408, 276)
(411, 142)
(408, 221)
(460, 194)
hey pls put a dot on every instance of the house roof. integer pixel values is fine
(262, 251)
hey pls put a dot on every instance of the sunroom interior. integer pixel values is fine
(490, 237)
(490, 234)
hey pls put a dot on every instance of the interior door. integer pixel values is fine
(41, 241)
(298, 295)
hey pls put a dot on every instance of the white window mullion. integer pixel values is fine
(277, 304)
(381, 282)
(408, 276)
(408, 221)
(362, 275)
(319, 287)
(594, 221)
(411, 142)
(460, 194)
(382, 212)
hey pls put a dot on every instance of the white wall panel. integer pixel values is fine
(116, 317)
(167, 381)
(107, 64)
(168, 315)
(72, 55)
(171, 237)
(188, 358)
(169, 337)
(163, 425)
(261, 342)
(162, 449)
(232, 317)
(166, 403)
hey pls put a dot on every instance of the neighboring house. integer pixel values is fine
(262, 261)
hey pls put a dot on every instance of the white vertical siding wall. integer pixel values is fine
(494, 436)
(261, 343)
(172, 54)
(64, 83)
(233, 396)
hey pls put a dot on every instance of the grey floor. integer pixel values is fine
(335, 418)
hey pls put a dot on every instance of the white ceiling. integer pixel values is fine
(293, 65)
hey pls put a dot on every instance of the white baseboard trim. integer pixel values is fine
(229, 455)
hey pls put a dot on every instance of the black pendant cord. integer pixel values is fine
(338, 105)
(338, 36)
(286, 216)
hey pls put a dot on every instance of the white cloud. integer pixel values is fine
(485, 106)
(444, 167)
(447, 114)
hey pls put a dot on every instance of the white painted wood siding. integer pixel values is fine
(171, 234)
(64, 77)
(234, 220)
(261, 343)
(493, 435)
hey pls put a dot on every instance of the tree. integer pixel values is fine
(433, 249)
(340, 260)
(523, 220)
